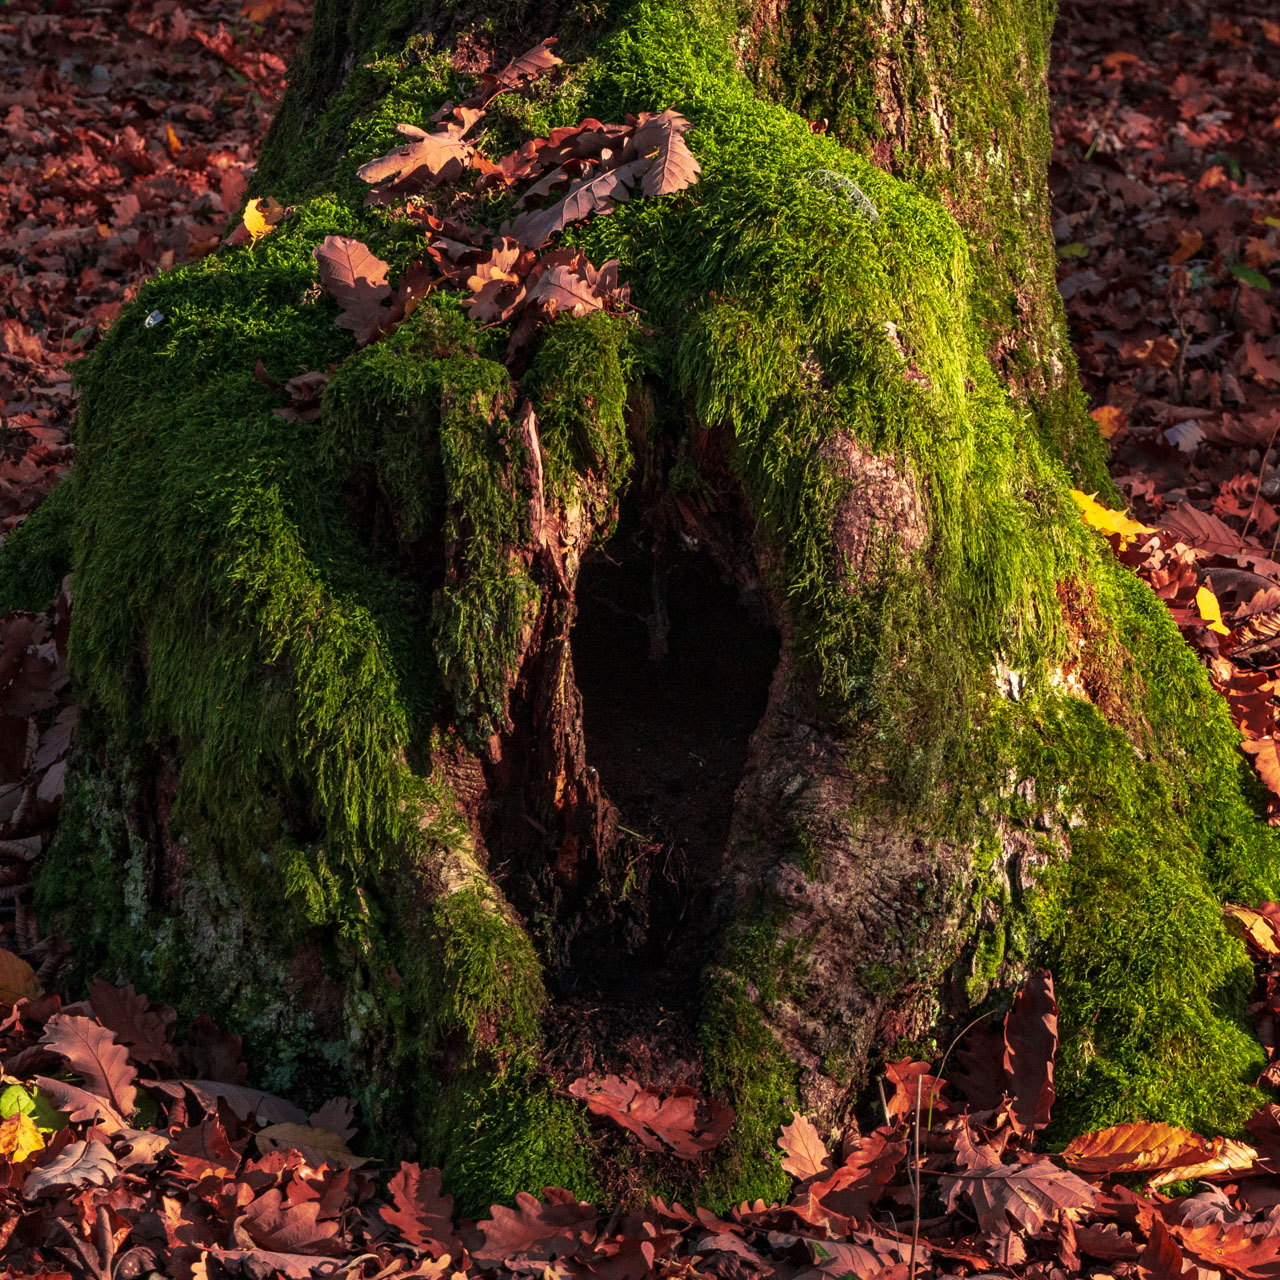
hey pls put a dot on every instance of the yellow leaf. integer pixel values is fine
(172, 138)
(318, 1146)
(19, 1138)
(1253, 927)
(1136, 1148)
(1108, 521)
(17, 979)
(1110, 419)
(1228, 1157)
(261, 216)
(1211, 611)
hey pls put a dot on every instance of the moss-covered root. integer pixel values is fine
(985, 741)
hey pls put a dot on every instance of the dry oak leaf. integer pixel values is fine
(319, 1146)
(1111, 420)
(681, 1122)
(1028, 1194)
(92, 1053)
(142, 1028)
(541, 1229)
(80, 1164)
(268, 1262)
(17, 979)
(82, 1106)
(428, 159)
(1162, 1259)
(911, 1082)
(281, 1226)
(357, 279)
(1254, 927)
(516, 74)
(562, 289)
(596, 194)
(420, 1211)
(868, 1169)
(245, 1102)
(19, 1138)
(673, 166)
(1200, 529)
(1030, 1042)
(1141, 1147)
(806, 1155)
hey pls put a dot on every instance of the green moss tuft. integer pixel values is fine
(36, 556)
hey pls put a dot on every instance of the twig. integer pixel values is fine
(1262, 466)
(884, 1102)
(915, 1183)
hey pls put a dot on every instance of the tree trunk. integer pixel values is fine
(756, 711)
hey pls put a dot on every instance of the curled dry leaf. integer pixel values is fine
(1257, 929)
(80, 1164)
(426, 160)
(1030, 1043)
(1228, 1157)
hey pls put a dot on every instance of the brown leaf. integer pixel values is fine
(1265, 760)
(80, 1164)
(563, 290)
(17, 979)
(1228, 1157)
(530, 64)
(426, 160)
(868, 1169)
(682, 1122)
(319, 1146)
(1162, 1259)
(596, 194)
(422, 1214)
(245, 1102)
(1200, 529)
(1029, 1194)
(1231, 1248)
(281, 1226)
(912, 1081)
(81, 1105)
(1030, 1042)
(540, 1229)
(91, 1052)
(267, 1262)
(357, 279)
(672, 166)
(1141, 1147)
(806, 1154)
(134, 1022)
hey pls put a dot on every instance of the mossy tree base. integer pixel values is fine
(335, 764)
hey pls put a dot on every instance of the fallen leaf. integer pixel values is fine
(357, 279)
(1108, 521)
(1141, 1147)
(420, 1211)
(1111, 420)
(319, 1146)
(80, 1164)
(806, 1155)
(91, 1052)
(1254, 927)
(1211, 611)
(681, 1122)
(1030, 1042)
(19, 1138)
(537, 1229)
(17, 979)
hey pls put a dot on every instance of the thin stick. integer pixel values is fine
(915, 1225)
(1262, 466)
(884, 1101)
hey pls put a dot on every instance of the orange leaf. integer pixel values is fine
(1263, 751)
(1254, 927)
(1189, 244)
(1228, 1157)
(1136, 1148)
(1111, 420)
(17, 979)
(172, 140)
(806, 1154)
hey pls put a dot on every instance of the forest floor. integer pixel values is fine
(129, 131)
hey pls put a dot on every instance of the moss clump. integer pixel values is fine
(37, 554)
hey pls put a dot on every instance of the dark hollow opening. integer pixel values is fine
(673, 660)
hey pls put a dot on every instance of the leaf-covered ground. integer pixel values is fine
(131, 1146)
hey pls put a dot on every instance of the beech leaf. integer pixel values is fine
(319, 1146)
(1141, 1147)
(1030, 1042)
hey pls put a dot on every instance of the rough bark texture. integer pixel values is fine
(824, 717)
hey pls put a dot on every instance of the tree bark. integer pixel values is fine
(815, 718)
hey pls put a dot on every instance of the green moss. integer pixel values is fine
(37, 554)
